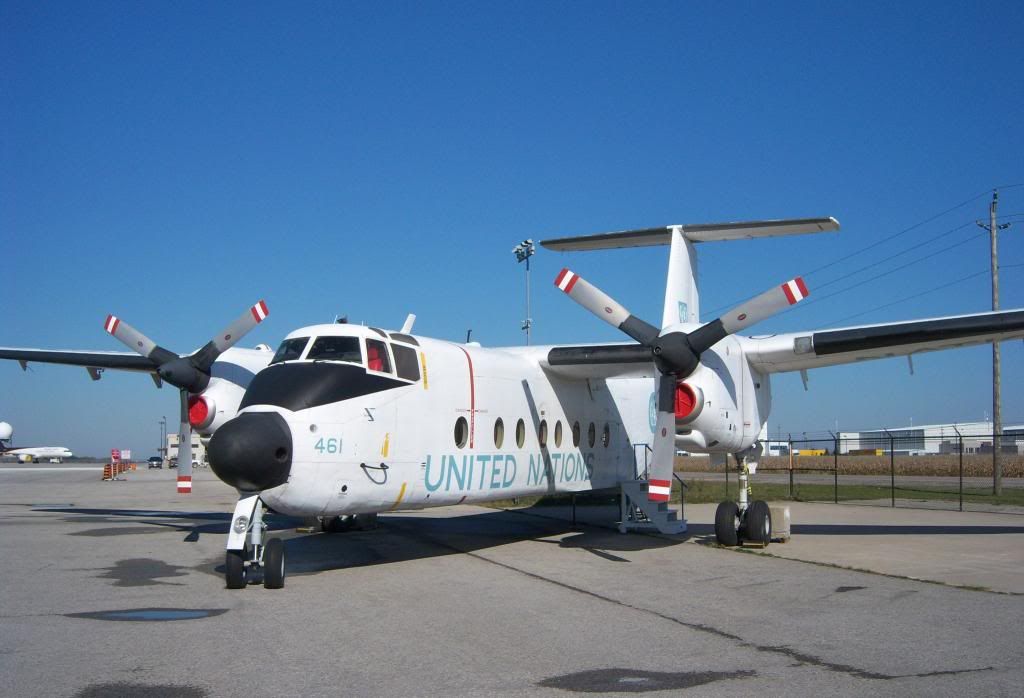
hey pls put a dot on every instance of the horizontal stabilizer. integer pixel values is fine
(700, 232)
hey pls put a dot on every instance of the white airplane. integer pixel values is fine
(351, 421)
(347, 421)
(28, 454)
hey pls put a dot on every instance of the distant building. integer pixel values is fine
(198, 450)
(933, 439)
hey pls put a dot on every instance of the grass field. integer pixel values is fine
(947, 465)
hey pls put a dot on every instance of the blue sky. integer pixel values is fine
(174, 162)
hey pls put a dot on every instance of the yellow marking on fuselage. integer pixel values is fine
(401, 493)
(423, 363)
(384, 448)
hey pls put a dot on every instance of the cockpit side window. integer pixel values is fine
(377, 356)
(290, 349)
(406, 363)
(336, 349)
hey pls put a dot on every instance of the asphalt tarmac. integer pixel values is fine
(116, 589)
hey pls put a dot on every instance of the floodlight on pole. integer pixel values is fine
(524, 251)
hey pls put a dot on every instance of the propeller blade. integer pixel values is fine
(749, 313)
(605, 307)
(136, 341)
(765, 305)
(659, 479)
(184, 447)
(231, 334)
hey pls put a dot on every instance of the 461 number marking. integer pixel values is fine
(327, 446)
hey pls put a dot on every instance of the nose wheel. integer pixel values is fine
(247, 558)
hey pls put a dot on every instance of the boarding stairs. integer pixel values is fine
(637, 512)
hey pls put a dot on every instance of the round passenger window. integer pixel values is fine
(606, 437)
(542, 433)
(461, 432)
(558, 434)
(591, 435)
(575, 434)
(499, 432)
(520, 433)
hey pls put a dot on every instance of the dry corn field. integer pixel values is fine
(974, 466)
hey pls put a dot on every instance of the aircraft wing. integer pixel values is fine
(599, 361)
(122, 361)
(799, 351)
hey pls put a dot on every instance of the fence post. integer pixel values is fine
(791, 467)
(960, 443)
(892, 468)
(835, 469)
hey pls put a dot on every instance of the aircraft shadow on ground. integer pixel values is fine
(395, 539)
(183, 521)
(405, 538)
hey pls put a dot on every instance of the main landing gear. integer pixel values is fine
(743, 521)
(248, 558)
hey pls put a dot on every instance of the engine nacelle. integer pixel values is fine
(709, 403)
(208, 410)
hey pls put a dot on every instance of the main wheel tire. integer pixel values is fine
(727, 519)
(234, 569)
(759, 523)
(337, 524)
(273, 564)
(366, 522)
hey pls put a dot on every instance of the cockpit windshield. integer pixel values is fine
(290, 349)
(336, 349)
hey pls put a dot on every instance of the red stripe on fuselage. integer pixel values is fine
(472, 398)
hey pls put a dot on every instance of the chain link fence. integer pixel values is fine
(954, 472)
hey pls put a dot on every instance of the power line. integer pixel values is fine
(889, 239)
(879, 276)
(719, 309)
(909, 298)
(930, 241)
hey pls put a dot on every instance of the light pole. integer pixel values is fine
(524, 251)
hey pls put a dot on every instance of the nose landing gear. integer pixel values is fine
(247, 558)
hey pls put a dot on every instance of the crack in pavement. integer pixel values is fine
(801, 657)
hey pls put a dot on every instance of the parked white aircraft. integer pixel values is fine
(349, 421)
(28, 454)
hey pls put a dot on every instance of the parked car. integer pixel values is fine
(156, 462)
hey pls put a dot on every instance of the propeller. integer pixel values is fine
(676, 354)
(189, 373)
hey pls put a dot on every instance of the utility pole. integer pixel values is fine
(524, 251)
(997, 419)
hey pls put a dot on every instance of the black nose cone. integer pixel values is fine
(252, 452)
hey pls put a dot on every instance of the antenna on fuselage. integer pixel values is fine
(341, 319)
(469, 333)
